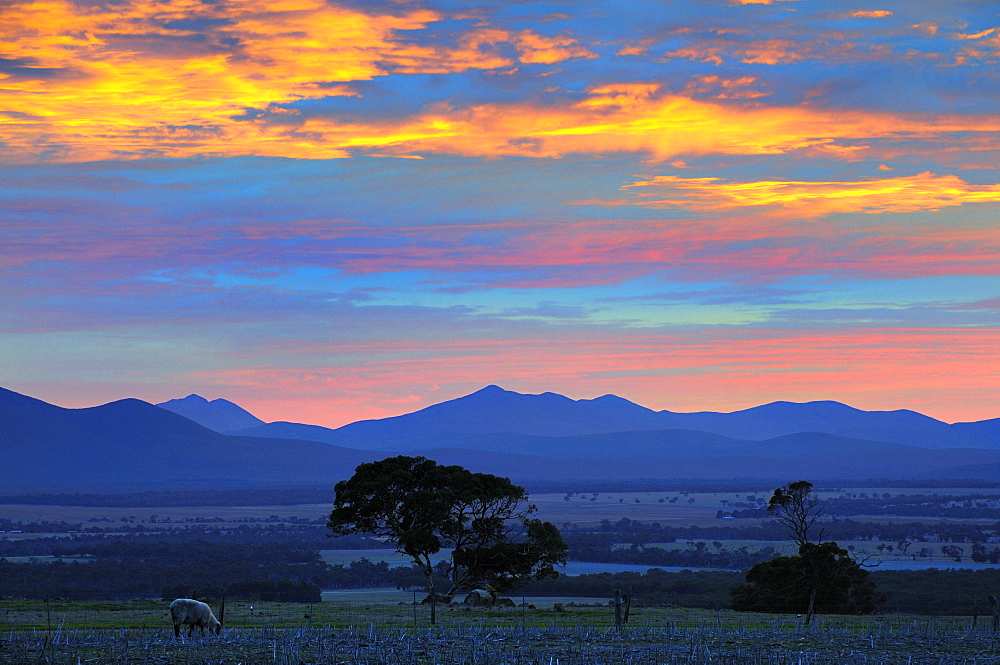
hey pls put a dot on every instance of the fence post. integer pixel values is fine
(618, 610)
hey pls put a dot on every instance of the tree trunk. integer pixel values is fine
(453, 591)
(812, 606)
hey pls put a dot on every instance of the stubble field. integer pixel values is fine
(372, 634)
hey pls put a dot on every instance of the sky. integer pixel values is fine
(333, 210)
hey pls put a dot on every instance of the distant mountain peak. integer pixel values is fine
(193, 398)
(611, 399)
(218, 414)
(492, 389)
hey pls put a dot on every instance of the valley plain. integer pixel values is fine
(934, 521)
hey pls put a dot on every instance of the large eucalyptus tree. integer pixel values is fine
(424, 507)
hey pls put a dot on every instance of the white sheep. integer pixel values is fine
(193, 612)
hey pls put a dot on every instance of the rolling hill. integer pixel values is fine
(130, 444)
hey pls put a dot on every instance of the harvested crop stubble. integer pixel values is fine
(914, 643)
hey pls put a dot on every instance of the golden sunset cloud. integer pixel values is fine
(925, 191)
(172, 78)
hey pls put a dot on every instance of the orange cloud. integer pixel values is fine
(776, 51)
(978, 35)
(723, 88)
(141, 78)
(481, 49)
(773, 52)
(925, 191)
(535, 48)
(983, 46)
(875, 13)
(284, 50)
(636, 118)
(106, 93)
(699, 53)
(118, 94)
(636, 49)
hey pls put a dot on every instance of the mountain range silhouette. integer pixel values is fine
(549, 438)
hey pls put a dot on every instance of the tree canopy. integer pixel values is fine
(822, 578)
(424, 507)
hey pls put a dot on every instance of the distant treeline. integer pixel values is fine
(311, 539)
(701, 589)
(173, 498)
(958, 506)
(293, 496)
(604, 486)
(741, 485)
(584, 541)
(284, 572)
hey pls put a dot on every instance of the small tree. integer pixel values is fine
(822, 576)
(424, 507)
(795, 507)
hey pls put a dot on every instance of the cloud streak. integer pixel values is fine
(924, 191)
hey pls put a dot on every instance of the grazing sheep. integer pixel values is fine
(193, 612)
(480, 597)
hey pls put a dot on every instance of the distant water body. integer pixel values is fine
(586, 568)
(394, 559)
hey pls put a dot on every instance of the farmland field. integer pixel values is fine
(553, 507)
